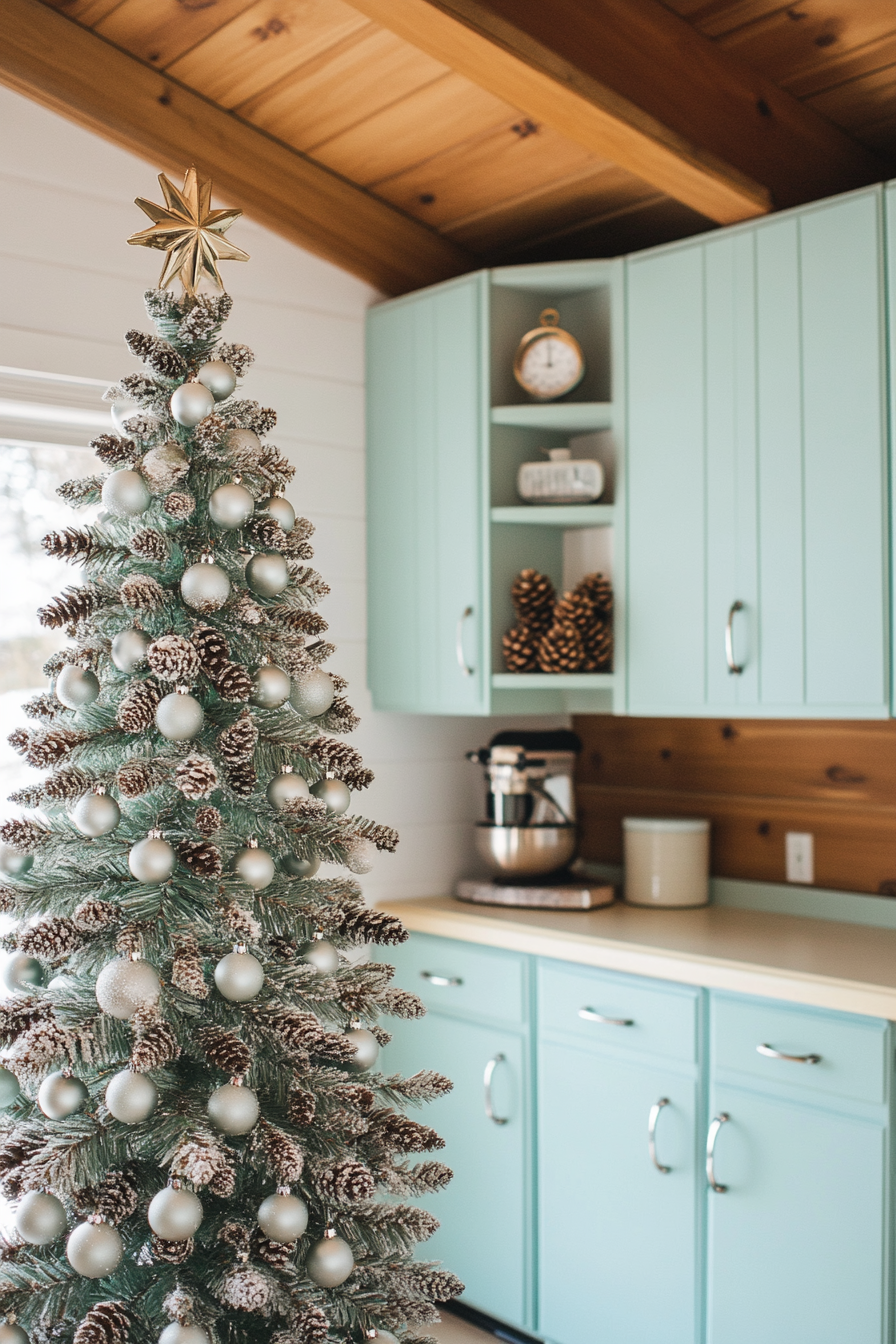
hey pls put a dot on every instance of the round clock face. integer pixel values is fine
(550, 365)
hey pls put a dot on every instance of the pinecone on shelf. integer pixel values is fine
(577, 608)
(599, 648)
(520, 647)
(599, 591)
(561, 649)
(533, 596)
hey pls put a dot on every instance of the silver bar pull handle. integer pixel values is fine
(734, 667)
(590, 1015)
(441, 980)
(462, 663)
(651, 1134)
(771, 1053)
(718, 1121)
(487, 1085)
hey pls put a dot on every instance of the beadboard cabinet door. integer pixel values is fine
(757, 527)
(424, 469)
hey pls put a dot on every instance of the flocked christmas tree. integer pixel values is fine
(195, 1135)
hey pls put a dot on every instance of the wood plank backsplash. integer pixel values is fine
(755, 779)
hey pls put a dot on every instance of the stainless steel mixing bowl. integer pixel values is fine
(527, 851)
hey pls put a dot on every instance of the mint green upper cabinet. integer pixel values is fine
(757, 469)
(424, 469)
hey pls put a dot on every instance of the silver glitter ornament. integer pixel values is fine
(322, 956)
(280, 510)
(298, 866)
(125, 494)
(205, 587)
(179, 717)
(255, 867)
(283, 1217)
(240, 442)
(60, 1096)
(330, 1261)
(9, 1090)
(40, 1218)
(218, 377)
(13, 862)
(22, 973)
(164, 466)
(360, 855)
(10, 1333)
(190, 403)
(174, 1214)
(239, 976)
(270, 687)
(129, 649)
(267, 573)
(123, 986)
(366, 1049)
(76, 686)
(313, 693)
(233, 1110)
(285, 788)
(131, 1097)
(152, 860)
(230, 505)
(175, 1333)
(334, 793)
(96, 814)
(122, 410)
(94, 1250)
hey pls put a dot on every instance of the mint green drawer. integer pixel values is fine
(851, 1051)
(602, 1009)
(463, 978)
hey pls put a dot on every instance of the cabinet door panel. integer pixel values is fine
(485, 1212)
(796, 1244)
(617, 1239)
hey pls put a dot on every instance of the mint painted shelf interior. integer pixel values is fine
(553, 681)
(570, 416)
(556, 515)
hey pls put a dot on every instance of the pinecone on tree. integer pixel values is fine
(148, 544)
(115, 451)
(156, 1045)
(533, 596)
(72, 606)
(242, 778)
(561, 649)
(106, 1323)
(212, 649)
(74, 544)
(187, 970)
(300, 1108)
(225, 1050)
(137, 707)
(138, 776)
(234, 683)
(196, 777)
(276, 1253)
(179, 505)
(170, 1252)
(208, 820)
(141, 592)
(237, 743)
(93, 916)
(201, 858)
(520, 647)
(173, 658)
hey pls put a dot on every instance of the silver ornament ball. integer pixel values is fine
(179, 717)
(175, 1333)
(60, 1096)
(283, 1218)
(10, 1333)
(322, 956)
(233, 1110)
(164, 465)
(231, 505)
(131, 1097)
(9, 1089)
(123, 986)
(313, 693)
(174, 1214)
(267, 574)
(270, 687)
(330, 1262)
(40, 1218)
(360, 855)
(13, 862)
(218, 377)
(122, 410)
(76, 686)
(299, 866)
(240, 441)
(255, 867)
(94, 1250)
(152, 860)
(285, 788)
(129, 649)
(190, 403)
(205, 587)
(366, 1049)
(125, 493)
(96, 814)
(239, 977)
(22, 973)
(280, 510)
(334, 793)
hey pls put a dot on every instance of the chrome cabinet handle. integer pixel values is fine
(487, 1085)
(721, 1119)
(459, 644)
(441, 980)
(651, 1134)
(771, 1053)
(734, 668)
(590, 1015)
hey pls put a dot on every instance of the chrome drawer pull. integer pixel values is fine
(590, 1015)
(721, 1119)
(462, 663)
(771, 1053)
(487, 1084)
(441, 980)
(733, 667)
(651, 1134)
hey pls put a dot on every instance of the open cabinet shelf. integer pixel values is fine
(556, 515)
(566, 416)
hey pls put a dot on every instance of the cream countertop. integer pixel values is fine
(849, 967)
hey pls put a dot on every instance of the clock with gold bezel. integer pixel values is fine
(549, 361)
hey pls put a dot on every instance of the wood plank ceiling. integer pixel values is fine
(349, 94)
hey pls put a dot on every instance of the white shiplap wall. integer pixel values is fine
(70, 287)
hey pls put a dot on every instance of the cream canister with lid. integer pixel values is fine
(666, 861)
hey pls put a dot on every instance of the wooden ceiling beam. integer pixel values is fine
(71, 70)
(637, 84)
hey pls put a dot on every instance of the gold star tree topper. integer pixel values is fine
(190, 232)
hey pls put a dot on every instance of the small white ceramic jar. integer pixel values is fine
(666, 861)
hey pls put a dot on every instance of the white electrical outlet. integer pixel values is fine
(799, 848)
